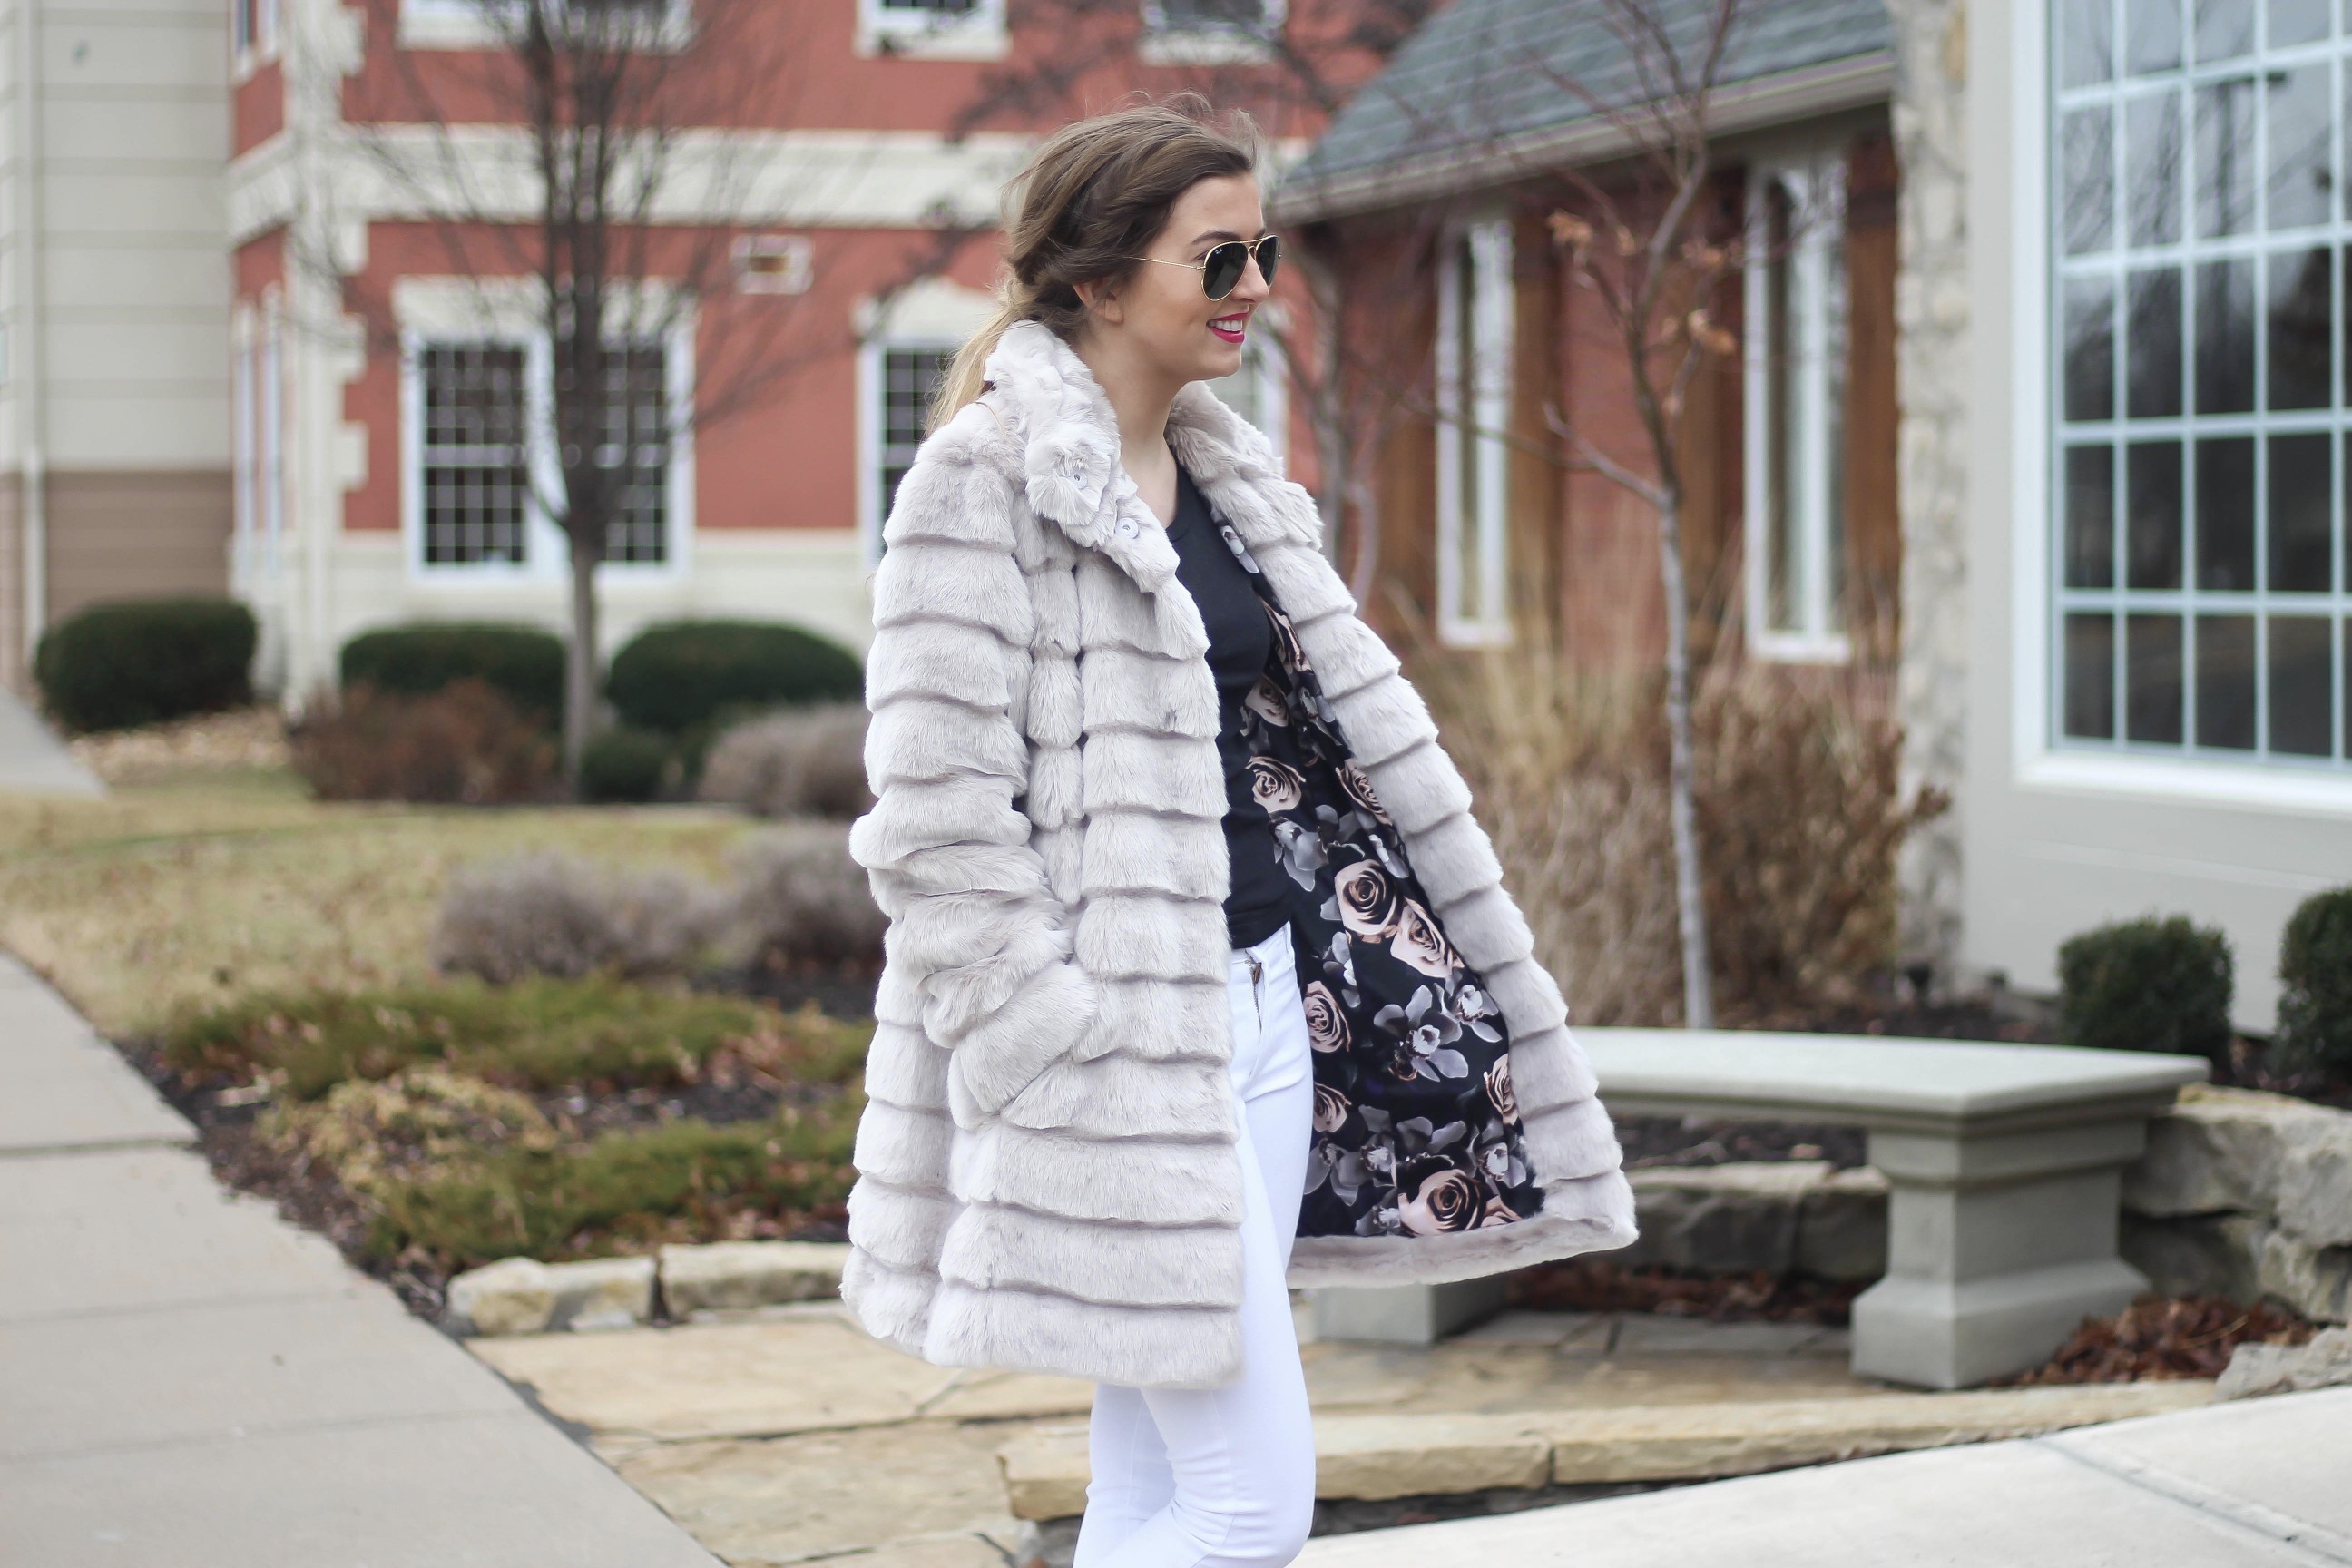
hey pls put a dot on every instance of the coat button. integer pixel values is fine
(1127, 528)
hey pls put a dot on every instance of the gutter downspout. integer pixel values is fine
(31, 390)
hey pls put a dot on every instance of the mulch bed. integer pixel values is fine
(2157, 1338)
(1597, 1285)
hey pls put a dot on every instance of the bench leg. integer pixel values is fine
(1403, 1314)
(1997, 1247)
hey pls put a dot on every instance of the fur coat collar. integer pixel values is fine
(1046, 1178)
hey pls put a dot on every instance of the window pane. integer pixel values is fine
(635, 446)
(2090, 517)
(909, 376)
(2299, 181)
(2151, 36)
(2297, 22)
(2153, 153)
(2088, 189)
(2301, 331)
(2225, 30)
(1784, 443)
(2152, 343)
(2090, 676)
(2090, 348)
(2152, 491)
(2299, 514)
(2225, 681)
(2152, 684)
(2225, 158)
(2299, 699)
(2086, 49)
(2225, 514)
(2225, 337)
(476, 483)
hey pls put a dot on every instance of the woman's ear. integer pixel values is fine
(1101, 300)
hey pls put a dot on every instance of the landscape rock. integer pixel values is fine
(1372, 1457)
(2256, 1370)
(1841, 1227)
(602, 1293)
(2317, 1281)
(1721, 1219)
(733, 1276)
(2314, 1188)
(2198, 1255)
(512, 1296)
(2226, 1150)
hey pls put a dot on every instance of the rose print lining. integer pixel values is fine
(1416, 1128)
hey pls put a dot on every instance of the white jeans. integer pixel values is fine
(1224, 1477)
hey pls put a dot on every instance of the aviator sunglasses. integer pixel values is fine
(1223, 267)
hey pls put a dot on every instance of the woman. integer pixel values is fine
(1198, 970)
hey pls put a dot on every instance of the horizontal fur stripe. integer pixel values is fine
(1055, 716)
(1529, 996)
(892, 1305)
(1128, 691)
(1164, 1020)
(1007, 870)
(946, 495)
(1154, 936)
(943, 933)
(1453, 859)
(990, 1246)
(952, 662)
(1057, 782)
(899, 999)
(1053, 593)
(1112, 614)
(1012, 1044)
(1488, 929)
(907, 1149)
(1569, 1142)
(1346, 655)
(1305, 583)
(1420, 788)
(1552, 1071)
(910, 817)
(1128, 1181)
(1125, 1096)
(920, 741)
(906, 1068)
(1385, 719)
(1155, 772)
(1167, 1347)
(1139, 851)
(901, 1228)
(918, 582)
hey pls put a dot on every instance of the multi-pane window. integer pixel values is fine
(931, 7)
(1474, 407)
(637, 448)
(2199, 232)
(909, 376)
(476, 474)
(1257, 16)
(1796, 374)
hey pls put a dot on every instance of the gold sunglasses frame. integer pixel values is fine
(1201, 266)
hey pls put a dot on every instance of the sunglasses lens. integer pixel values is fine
(1269, 252)
(1222, 267)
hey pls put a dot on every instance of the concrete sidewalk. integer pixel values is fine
(188, 1381)
(2257, 1484)
(33, 760)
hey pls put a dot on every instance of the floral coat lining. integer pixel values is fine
(1416, 1129)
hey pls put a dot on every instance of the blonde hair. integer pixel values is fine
(1095, 196)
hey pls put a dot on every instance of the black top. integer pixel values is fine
(1259, 895)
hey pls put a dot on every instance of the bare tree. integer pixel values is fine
(593, 167)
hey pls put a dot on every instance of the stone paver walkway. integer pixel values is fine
(188, 1381)
(2259, 1484)
(32, 761)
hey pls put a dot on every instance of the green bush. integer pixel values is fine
(626, 1189)
(684, 675)
(624, 765)
(141, 661)
(523, 664)
(2148, 985)
(2315, 1020)
(533, 1034)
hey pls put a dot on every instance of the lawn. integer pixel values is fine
(187, 891)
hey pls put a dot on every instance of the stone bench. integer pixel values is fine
(2004, 1165)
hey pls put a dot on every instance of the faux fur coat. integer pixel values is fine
(1046, 1172)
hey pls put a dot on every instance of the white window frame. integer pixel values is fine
(264, 23)
(2035, 516)
(1472, 424)
(870, 389)
(794, 255)
(462, 25)
(906, 33)
(545, 557)
(244, 471)
(1818, 186)
(1167, 43)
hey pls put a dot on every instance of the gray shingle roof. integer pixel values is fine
(1488, 88)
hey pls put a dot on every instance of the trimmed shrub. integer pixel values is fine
(463, 745)
(683, 674)
(551, 913)
(624, 766)
(142, 661)
(809, 762)
(2315, 1018)
(538, 1033)
(522, 664)
(2147, 985)
(805, 903)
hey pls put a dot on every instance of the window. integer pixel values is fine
(1209, 32)
(905, 377)
(1474, 403)
(271, 456)
(774, 263)
(244, 478)
(636, 446)
(1258, 392)
(475, 474)
(932, 30)
(1795, 424)
(2199, 232)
